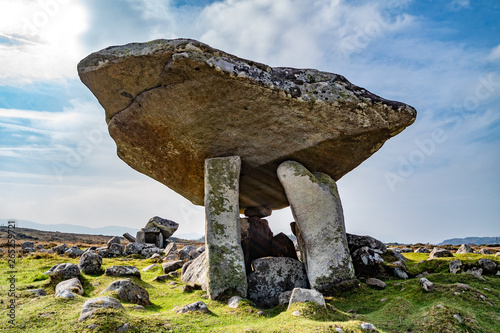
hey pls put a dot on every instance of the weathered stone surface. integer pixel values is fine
(397, 254)
(256, 240)
(272, 276)
(170, 248)
(115, 249)
(128, 291)
(320, 229)
(167, 227)
(488, 266)
(184, 253)
(368, 327)
(259, 212)
(234, 301)
(129, 237)
(148, 268)
(73, 252)
(94, 304)
(74, 285)
(400, 273)
(301, 295)
(439, 253)
(38, 292)
(28, 245)
(194, 307)
(283, 246)
(59, 249)
(65, 294)
(113, 240)
(355, 242)
(284, 297)
(133, 248)
(150, 251)
(376, 283)
(172, 266)
(122, 271)
(464, 248)
(455, 266)
(170, 104)
(426, 284)
(225, 261)
(63, 272)
(195, 271)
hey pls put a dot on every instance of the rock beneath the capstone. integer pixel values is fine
(439, 253)
(272, 276)
(122, 271)
(74, 285)
(162, 128)
(63, 271)
(301, 295)
(356, 242)
(376, 283)
(256, 240)
(183, 253)
(113, 240)
(400, 273)
(485, 251)
(59, 249)
(73, 252)
(283, 246)
(320, 229)
(426, 284)
(115, 250)
(128, 291)
(38, 292)
(225, 260)
(259, 212)
(367, 262)
(90, 262)
(422, 250)
(368, 327)
(195, 271)
(167, 227)
(488, 266)
(172, 266)
(284, 297)
(133, 248)
(65, 294)
(170, 248)
(455, 266)
(94, 304)
(464, 248)
(234, 302)
(129, 237)
(194, 307)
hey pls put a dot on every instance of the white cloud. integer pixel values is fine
(494, 54)
(459, 4)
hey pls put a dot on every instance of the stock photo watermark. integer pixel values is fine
(11, 273)
(425, 147)
(48, 9)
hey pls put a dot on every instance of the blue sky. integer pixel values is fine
(438, 179)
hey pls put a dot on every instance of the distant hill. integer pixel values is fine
(79, 229)
(471, 240)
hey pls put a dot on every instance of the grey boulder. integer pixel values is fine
(167, 227)
(128, 291)
(301, 295)
(122, 271)
(74, 285)
(194, 307)
(195, 271)
(94, 304)
(63, 272)
(90, 262)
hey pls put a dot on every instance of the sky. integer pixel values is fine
(438, 179)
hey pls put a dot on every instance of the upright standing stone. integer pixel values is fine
(226, 266)
(320, 229)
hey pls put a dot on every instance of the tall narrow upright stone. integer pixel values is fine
(226, 266)
(320, 229)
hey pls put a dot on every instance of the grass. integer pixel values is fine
(402, 307)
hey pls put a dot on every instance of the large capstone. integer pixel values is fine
(316, 207)
(166, 227)
(226, 266)
(171, 104)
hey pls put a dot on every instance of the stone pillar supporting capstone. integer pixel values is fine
(320, 230)
(225, 262)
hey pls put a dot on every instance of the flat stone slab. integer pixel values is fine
(171, 104)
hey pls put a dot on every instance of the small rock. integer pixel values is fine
(296, 313)
(148, 268)
(128, 291)
(133, 248)
(376, 283)
(421, 275)
(155, 256)
(194, 254)
(426, 284)
(400, 274)
(301, 295)
(485, 251)
(383, 300)
(184, 252)
(173, 283)
(173, 274)
(439, 253)
(139, 307)
(261, 313)
(406, 250)
(194, 307)
(476, 272)
(488, 266)
(368, 327)
(59, 249)
(38, 292)
(129, 237)
(39, 247)
(339, 330)
(234, 302)
(161, 278)
(201, 249)
(172, 266)
(115, 250)
(27, 245)
(464, 248)
(150, 251)
(93, 304)
(63, 272)
(113, 240)
(122, 271)
(258, 212)
(170, 248)
(455, 266)
(66, 294)
(457, 317)
(463, 286)
(422, 250)
(74, 285)
(123, 328)
(90, 262)
(190, 287)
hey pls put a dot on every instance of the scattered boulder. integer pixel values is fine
(367, 262)
(147, 252)
(195, 271)
(28, 246)
(133, 248)
(113, 240)
(194, 307)
(129, 237)
(148, 268)
(167, 227)
(259, 212)
(422, 250)
(128, 291)
(234, 302)
(488, 266)
(376, 283)
(115, 249)
(184, 253)
(464, 248)
(38, 292)
(282, 246)
(485, 251)
(272, 276)
(39, 247)
(74, 285)
(172, 266)
(455, 266)
(476, 272)
(395, 252)
(315, 204)
(122, 271)
(90, 262)
(201, 249)
(400, 273)
(63, 271)
(355, 242)
(426, 284)
(102, 251)
(150, 235)
(65, 294)
(368, 327)
(439, 253)
(301, 295)
(170, 248)
(406, 250)
(194, 254)
(256, 240)
(73, 252)
(94, 304)
(59, 249)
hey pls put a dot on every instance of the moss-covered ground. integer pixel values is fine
(401, 307)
